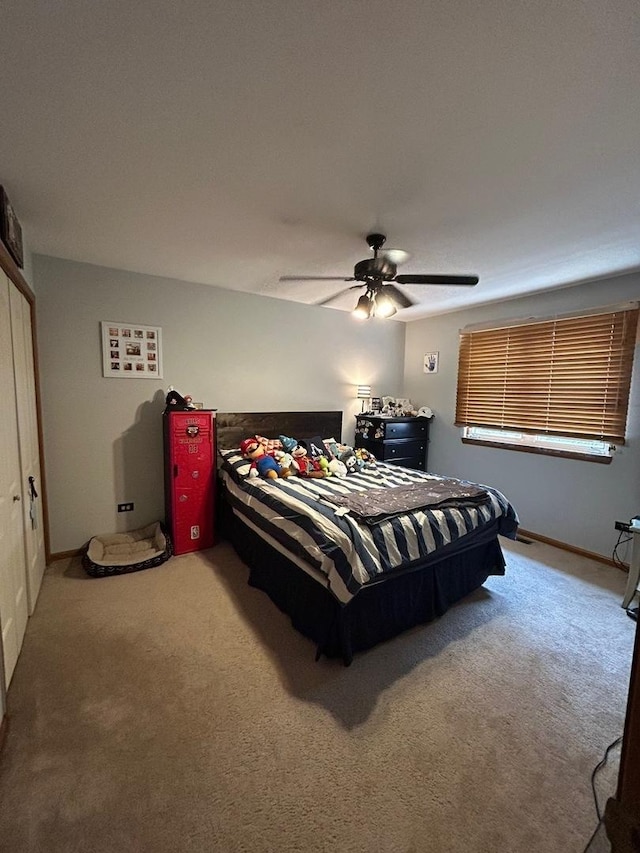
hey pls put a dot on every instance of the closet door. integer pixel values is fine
(24, 376)
(13, 593)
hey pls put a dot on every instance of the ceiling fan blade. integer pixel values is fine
(334, 296)
(468, 280)
(396, 256)
(315, 278)
(396, 295)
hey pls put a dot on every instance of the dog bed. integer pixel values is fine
(119, 553)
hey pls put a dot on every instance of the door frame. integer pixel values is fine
(15, 275)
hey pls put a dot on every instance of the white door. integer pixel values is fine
(24, 378)
(13, 594)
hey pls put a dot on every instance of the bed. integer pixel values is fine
(349, 576)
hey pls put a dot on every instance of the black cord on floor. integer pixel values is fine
(598, 767)
(615, 556)
(593, 835)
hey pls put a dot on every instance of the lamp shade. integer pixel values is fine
(364, 392)
(384, 306)
(364, 308)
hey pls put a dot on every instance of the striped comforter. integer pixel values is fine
(297, 513)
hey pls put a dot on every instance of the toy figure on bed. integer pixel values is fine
(318, 454)
(350, 460)
(306, 465)
(365, 458)
(285, 461)
(262, 463)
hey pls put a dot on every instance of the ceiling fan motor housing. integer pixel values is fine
(376, 241)
(380, 269)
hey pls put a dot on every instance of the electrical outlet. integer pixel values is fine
(622, 525)
(125, 507)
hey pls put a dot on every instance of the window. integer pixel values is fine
(558, 386)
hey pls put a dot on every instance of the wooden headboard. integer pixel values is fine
(232, 427)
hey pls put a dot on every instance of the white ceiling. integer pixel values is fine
(231, 143)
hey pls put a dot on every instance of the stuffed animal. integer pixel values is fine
(261, 462)
(323, 462)
(337, 468)
(175, 402)
(288, 444)
(349, 459)
(285, 461)
(367, 460)
(305, 464)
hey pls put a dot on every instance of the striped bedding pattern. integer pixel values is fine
(348, 553)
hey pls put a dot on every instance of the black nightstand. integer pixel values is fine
(401, 441)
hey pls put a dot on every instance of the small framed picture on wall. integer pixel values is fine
(431, 360)
(131, 351)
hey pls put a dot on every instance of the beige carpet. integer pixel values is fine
(176, 709)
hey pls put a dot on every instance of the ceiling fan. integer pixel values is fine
(378, 276)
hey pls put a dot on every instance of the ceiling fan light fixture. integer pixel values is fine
(378, 275)
(364, 308)
(385, 307)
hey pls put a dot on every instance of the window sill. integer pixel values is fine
(544, 451)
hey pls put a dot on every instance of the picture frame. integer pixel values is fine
(10, 229)
(431, 362)
(131, 350)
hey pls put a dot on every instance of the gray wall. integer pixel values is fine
(565, 499)
(232, 351)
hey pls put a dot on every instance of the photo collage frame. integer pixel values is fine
(131, 351)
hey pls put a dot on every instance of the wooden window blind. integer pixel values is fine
(568, 376)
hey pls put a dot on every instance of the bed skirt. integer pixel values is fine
(380, 610)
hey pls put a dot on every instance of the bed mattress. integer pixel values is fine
(343, 548)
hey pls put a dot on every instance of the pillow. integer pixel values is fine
(315, 447)
(235, 464)
(270, 444)
(332, 447)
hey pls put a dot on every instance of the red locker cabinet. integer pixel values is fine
(190, 478)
